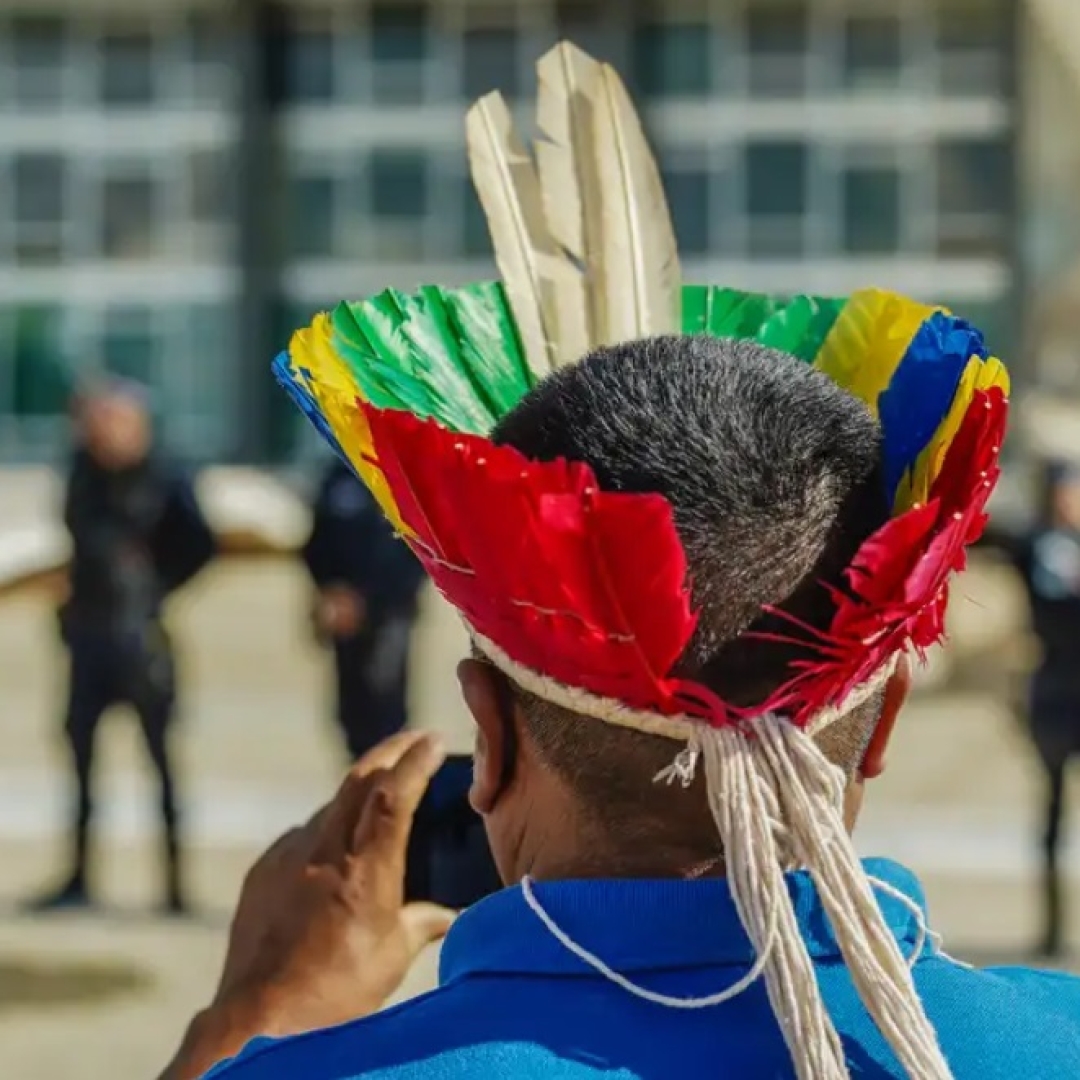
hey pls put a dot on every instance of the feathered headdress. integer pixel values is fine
(536, 558)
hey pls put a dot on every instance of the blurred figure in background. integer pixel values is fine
(1048, 559)
(367, 584)
(137, 535)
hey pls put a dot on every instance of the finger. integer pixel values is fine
(333, 827)
(387, 816)
(425, 924)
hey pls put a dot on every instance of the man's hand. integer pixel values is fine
(321, 934)
(339, 612)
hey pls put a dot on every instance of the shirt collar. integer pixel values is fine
(636, 925)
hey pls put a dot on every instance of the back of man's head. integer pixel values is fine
(772, 472)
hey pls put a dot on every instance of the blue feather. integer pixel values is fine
(922, 389)
(293, 383)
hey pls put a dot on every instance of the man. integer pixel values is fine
(365, 607)
(691, 566)
(137, 535)
(1047, 558)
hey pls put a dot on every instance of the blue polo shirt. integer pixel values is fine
(512, 1002)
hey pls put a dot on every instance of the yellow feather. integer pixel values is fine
(335, 390)
(506, 181)
(868, 341)
(978, 375)
(637, 274)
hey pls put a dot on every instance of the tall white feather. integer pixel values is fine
(637, 271)
(507, 183)
(570, 187)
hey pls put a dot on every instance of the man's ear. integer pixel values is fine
(896, 692)
(492, 710)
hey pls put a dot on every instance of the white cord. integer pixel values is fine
(736, 988)
(609, 973)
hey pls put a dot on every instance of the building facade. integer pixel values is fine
(186, 184)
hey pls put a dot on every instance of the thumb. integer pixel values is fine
(425, 924)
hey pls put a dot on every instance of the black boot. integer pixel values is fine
(73, 894)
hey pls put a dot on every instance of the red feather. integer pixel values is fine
(584, 586)
(589, 587)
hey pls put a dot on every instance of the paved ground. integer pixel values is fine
(105, 997)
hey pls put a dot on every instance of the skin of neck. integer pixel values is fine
(537, 825)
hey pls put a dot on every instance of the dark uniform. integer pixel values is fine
(1047, 558)
(137, 535)
(351, 545)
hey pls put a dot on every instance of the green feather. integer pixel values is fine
(797, 326)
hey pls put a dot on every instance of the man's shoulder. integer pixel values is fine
(447, 1034)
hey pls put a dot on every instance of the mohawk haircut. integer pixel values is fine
(774, 476)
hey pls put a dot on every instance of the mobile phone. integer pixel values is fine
(449, 861)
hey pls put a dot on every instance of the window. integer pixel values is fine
(688, 193)
(871, 207)
(399, 187)
(587, 24)
(309, 57)
(490, 62)
(38, 54)
(776, 197)
(778, 42)
(974, 40)
(129, 217)
(872, 52)
(399, 47)
(210, 55)
(41, 379)
(210, 202)
(38, 211)
(974, 197)
(672, 60)
(39, 189)
(475, 238)
(128, 67)
(311, 216)
(129, 346)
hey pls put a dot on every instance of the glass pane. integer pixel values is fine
(974, 176)
(38, 47)
(129, 217)
(672, 59)
(776, 197)
(777, 41)
(688, 192)
(208, 185)
(585, 23)
(490, 62)
(129, 346)
(872, 51)
(127, 65)
(399, 32)
(42, 380)
(39, 189)
(974, 39)
(399, 186)
(974, 198)
(871, 210)
(309, 58)
(475, 238)
(211, 54)
(776, 178)
(311, 216)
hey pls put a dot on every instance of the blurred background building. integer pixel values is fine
(182, 183)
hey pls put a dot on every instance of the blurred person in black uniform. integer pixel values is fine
(137, 535)
(367, 583)
(1047, 557)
